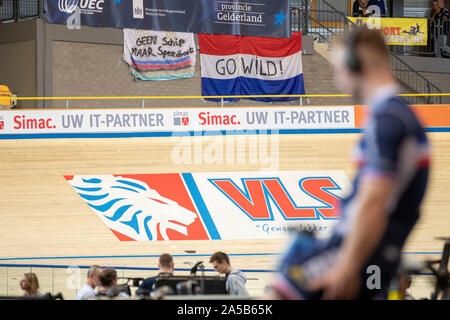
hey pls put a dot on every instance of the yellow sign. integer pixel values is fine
(398, 31)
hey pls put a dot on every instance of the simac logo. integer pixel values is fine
(180, 118)
(138, 9)
(181, 121)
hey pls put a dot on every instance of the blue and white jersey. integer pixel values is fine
(393, 145)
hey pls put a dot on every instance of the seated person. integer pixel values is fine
(405, 284)
(30, 285)
(165, 266)
(360, 8)
(88, 289)
(234, 279)
(109, 287)
(369, 8)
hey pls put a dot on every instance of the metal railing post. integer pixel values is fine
(53, 280)
(16, 10)
(41, 8)
(304, 9)
(437, 39)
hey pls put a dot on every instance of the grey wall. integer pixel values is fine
(18, 69)
(18, 60)
(41, 59)
(88, 69)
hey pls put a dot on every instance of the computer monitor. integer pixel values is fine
(212, 284)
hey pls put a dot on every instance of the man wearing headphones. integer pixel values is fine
(362, 254)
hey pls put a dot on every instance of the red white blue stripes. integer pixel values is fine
(233, 65)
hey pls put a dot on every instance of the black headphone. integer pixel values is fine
(353, 60)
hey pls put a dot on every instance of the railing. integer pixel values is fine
(112, 102)
(29, 8)
(325, 22)
(432, 47)
(7, 10)
(413, 81)
(445, 39)
(14, 10)
(438, 44)
(68, 280)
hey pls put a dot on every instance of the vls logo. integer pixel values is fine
(214, 205)
(259, 193)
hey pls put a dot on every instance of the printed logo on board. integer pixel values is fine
(256, 199)
(202, 206)
(2, 123)
(143, 207)
(138, 9)
(180, 118)
(86, 6)
(413, 30)
(67, 6)
(211, 119)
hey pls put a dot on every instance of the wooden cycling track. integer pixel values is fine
(42, 221)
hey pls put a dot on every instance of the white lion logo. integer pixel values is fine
(130, 207)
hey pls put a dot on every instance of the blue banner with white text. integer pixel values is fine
(260, 18)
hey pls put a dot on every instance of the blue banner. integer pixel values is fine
(261, 18)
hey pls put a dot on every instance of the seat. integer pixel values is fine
(5, 97)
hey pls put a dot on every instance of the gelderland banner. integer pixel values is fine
(159, 55)
(398, 31)
(264, 18)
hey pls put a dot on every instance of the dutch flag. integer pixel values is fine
(244, 65)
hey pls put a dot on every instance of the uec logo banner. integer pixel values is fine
(202, 206)
(263, 18)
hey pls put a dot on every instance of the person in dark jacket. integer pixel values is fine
(369, 8)
(165, 266)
